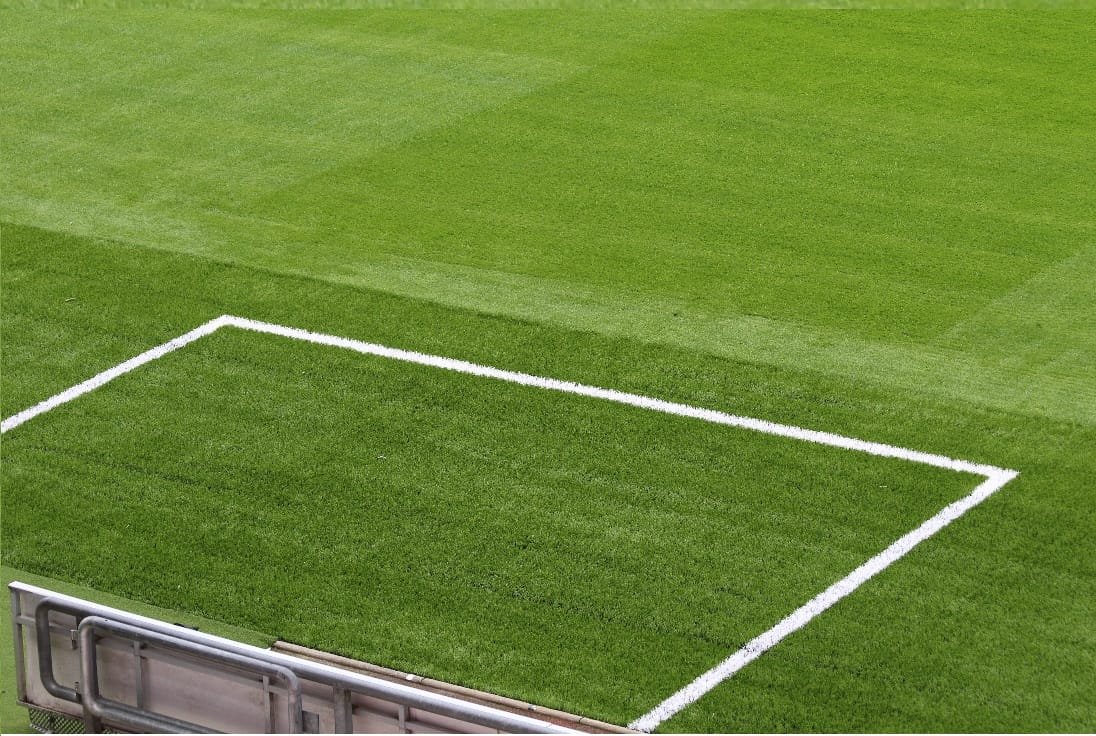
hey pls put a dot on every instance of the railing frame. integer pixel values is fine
(343, 683)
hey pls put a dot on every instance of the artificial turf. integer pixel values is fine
(501, 536)
(872, 225)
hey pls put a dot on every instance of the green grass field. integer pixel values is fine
(876, 225)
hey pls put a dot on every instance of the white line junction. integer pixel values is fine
(995, 478)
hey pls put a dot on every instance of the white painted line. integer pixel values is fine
(111, 373)
(995, 478)
(803, 615)
(619, 397)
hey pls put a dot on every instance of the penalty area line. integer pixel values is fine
(643, 402)
(803, 615)
(995, 478)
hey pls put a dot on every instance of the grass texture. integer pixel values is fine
(876, 225)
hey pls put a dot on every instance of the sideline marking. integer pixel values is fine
(995, 478)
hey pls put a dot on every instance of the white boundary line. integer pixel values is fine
(995, 478)
(803, 615)
(110, 374)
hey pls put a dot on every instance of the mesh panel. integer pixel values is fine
(44, 721)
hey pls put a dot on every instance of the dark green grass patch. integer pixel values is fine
(572, 552)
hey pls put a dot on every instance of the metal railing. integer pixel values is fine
(140, 718)
(90, 659)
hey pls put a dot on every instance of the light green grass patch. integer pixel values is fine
(843, 193)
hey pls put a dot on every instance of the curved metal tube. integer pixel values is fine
(144, 721)
(45, 649)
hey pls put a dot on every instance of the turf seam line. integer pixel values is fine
(995, 477)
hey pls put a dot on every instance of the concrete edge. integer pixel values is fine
(464, 693)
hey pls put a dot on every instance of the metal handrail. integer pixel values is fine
(143, 721)
(42, 610)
